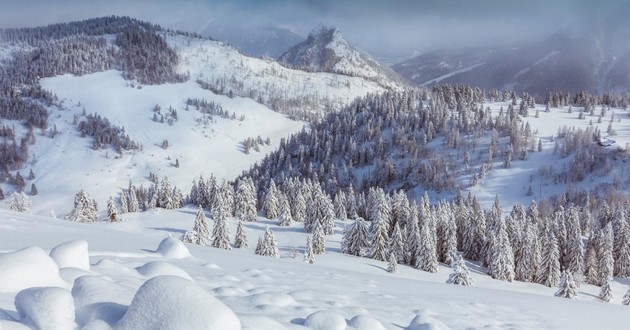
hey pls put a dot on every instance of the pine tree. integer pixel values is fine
(124, 208)
(549, 272)
(200, 228)
(396, 245)
(606, 292)
(413, 238)
(269, 245)
(622, 247)
(259, 246)
(460, 274)
(426, 255)
(221, 230)
(605, 254)
(626, 298)
(567, 287)
(271, 204)
(19, 202)
(284, 218)
(309, 256)
(165, 195)
(392, 265)
(299, 207)
(501, 265)
(319, 243)
(340, 205)
(240, 240)
(356, 238)
(379, 238)
(575, 247)
(591, 265)
(84, 208)
(245, 204)
(448, 234)
(134, 204)
(112, 212)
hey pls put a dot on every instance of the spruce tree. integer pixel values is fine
(112, 212)
(413, 238)
(626, 298)
(426, 255)
(19, 202)
(134, 205)
(379, 238)
(271, 204)
(240, 240)
(245, 204)
(221, 230)
(606, 292)
(448, 234)
(622, 248)
(124, 208)
(460, 274)
(591, 265)
(270, 245)
(319, 243)
(309, 256)
(549, 272)
(284, 217)
(340, 205)
(567, 287)
(200, 228)
(501, 265)
(84, 208)
(392, 265)
(396, 245)
(356, 238)
(605, 254)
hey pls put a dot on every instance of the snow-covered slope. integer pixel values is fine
(67, 163)
(268, 40)
(263, 293)
(326, 50)
(225, 70)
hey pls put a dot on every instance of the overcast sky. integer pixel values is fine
(399, 27)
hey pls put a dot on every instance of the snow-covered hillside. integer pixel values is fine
(202, 144)
(111, 289)
(225, 70)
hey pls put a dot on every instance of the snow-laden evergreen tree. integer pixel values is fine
(575, 247)
(200, 228)
(112, 211)
(605, 254)
(392, 265)
(567, 287)
(340, 205)
(460, 274)
(476, 234)
(19, 202)
(528, 260)
(298, 208)
(605, 294)
(240, 240)
(396, 245)
(356, 238)
(134, 204)
(270, 246)
(271, 204)
(245, 200)
(124, 207)
(447, 233)
(320, 209)
(259, 245)
(501, 265)
(227, 193)
(165, 195)
(284, 217)
(309, 255)
(549, 272)
(221, 230)
(84, 208)
(622, 246)
(379, 231)
(426, 256)
(319, 242)
(400, 210)
(591, 264)
(413, 237)
(626, 298)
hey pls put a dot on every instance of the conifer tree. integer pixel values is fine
(19, 202)
(200, 228)
(622, 248)
(567, 287)
(284, 218)
(124, 208)
(319, 243)
(605, 254)
(575, 247)
(271, 204)
(240, 240)
(299, 206)
(460, 274)
(112, 212)
(84, 208)
(309, 256)
(501, 265)
(413, 238)
(448, 234)
(606, 292)
(426, 255)
(527, 263)
(626, 298)
(270, 245)
(379, 239)
(134, 205)
(259, 245)
(340, 205)
(591, 265)
(221, 230)
(392, 265)
(356, 238)
(245, 204)
(396, 245)
(549, 272)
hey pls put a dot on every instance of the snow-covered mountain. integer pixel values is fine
(326, 50)
(256, 41)
(591, 56)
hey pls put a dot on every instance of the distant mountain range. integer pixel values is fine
(592, 56)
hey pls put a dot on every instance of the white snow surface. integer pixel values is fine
(46, 308)
(174, 248)
(28, 267)
(268, 293)
(71, 254)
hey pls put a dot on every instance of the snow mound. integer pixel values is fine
(27, 268)
(157, 268)
(325, 320)
(365, 322)
(426, 322)
(169, 302)
(173, 248)
(46, 308)
(71, 254)
(112, 266)
(97, 325)
(229, 291)
(211, 266)
(256, 322)
(277, 299)
(70, 274)
(96, 298)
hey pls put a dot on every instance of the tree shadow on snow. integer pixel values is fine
(169, 230)
(298, 321)
(377, 266)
